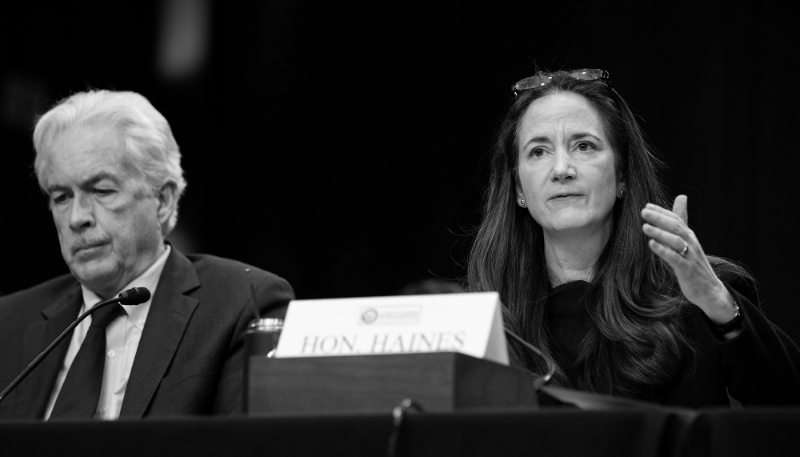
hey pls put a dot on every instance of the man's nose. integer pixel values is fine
(82, 212)
(563, 166)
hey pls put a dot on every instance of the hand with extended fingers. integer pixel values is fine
(673, 240)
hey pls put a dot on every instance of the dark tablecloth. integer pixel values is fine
(478, 433)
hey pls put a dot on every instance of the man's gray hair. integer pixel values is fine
(147, 135)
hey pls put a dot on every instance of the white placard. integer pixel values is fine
(469, 323)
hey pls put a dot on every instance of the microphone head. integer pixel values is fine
(134, 296)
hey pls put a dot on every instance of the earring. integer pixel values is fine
(621, 193)
(521, 202)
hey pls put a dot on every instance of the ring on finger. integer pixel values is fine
(685, 250)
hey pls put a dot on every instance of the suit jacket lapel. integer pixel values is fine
(34, 392)
(170, 312)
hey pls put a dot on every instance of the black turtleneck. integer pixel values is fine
(569, 321)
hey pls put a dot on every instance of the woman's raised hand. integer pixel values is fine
(673, 240)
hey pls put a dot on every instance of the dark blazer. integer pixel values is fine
(189, 359)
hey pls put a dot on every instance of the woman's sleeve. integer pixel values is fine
(762, 361)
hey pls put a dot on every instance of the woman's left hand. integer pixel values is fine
(673, 240)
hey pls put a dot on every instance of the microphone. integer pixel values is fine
(130, 297)
(551, 365)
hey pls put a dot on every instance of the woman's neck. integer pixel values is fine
(573, 256)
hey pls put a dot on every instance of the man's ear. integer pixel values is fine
(166, 201)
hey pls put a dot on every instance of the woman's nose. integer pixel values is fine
(563, 168)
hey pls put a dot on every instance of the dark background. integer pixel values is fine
(344, 146)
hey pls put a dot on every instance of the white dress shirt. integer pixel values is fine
(122, 341)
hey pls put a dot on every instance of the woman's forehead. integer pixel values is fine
(560, 113)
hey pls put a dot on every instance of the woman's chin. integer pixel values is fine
(580, 226)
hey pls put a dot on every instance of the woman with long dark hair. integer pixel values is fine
(594, 270)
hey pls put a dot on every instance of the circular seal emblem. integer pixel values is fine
(369, 316)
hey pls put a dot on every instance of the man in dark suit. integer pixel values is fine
(111, 169)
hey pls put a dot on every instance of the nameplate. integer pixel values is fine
(469, 323)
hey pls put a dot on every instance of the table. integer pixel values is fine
(515, 432)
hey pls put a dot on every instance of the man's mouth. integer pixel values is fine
(87, 246)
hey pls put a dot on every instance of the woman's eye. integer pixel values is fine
(103, 192)
(59, 198)
(585, 146)
(536, 152)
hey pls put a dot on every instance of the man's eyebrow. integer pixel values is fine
(51, 189)
(92, 180)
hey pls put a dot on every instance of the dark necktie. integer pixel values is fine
(81, 389)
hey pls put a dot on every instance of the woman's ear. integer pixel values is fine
(520, 195)
(518, 185)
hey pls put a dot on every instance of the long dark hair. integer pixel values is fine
(636, 342)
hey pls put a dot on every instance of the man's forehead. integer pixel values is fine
(78, 157)
(98, 139)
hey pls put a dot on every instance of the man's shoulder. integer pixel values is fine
(228, 286)
(42, 294)
(206, 264)
(228, 273)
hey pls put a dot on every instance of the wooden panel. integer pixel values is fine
(377, 383)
